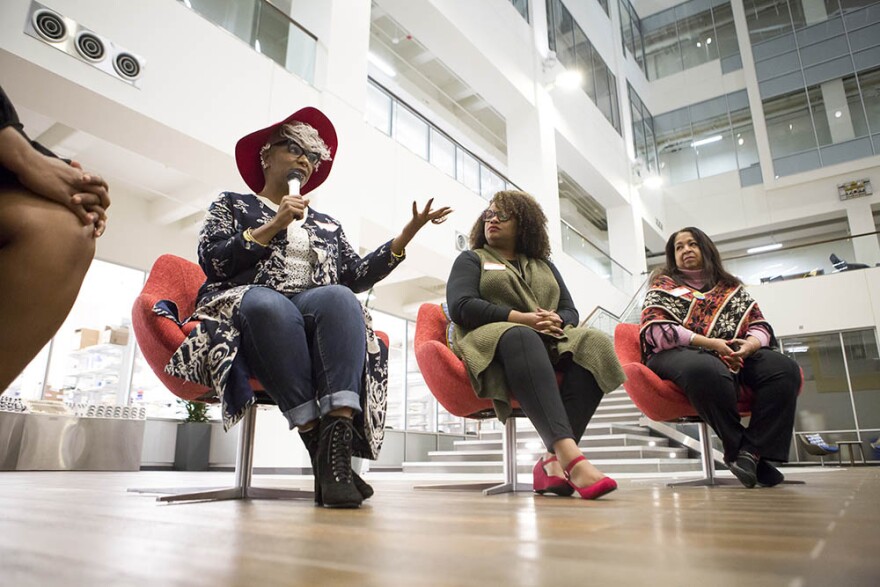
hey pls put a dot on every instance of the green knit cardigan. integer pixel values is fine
(535, 287)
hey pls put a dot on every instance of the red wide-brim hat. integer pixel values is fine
(247, 149)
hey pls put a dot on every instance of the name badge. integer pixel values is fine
(489, 266)
(680, 291)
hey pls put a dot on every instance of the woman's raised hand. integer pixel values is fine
(420, 218)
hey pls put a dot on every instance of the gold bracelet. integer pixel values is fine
(400, 256)
(249, 237)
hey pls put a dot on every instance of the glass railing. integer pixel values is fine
(595, 259)
(807, 260)
(394, 117)
(522, 6)
(265, 28)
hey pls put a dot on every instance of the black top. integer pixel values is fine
(9, 117)
(469, 310)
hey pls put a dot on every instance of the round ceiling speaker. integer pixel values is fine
(90, 46)
(127, 66)
(50, 25)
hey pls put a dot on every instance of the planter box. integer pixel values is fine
(193, 446)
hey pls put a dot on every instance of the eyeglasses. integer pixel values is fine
(296, 150)
(489, 214)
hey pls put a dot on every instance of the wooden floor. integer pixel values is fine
(84, 529)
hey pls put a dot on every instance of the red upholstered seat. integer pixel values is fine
(445, 373)
(657, 398)
(663, 401)
(446, 377)
(178, 280)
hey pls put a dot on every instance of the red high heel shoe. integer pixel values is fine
(543, 483)
(594, 491)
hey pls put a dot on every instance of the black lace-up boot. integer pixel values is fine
(335, 477)
(310, 439)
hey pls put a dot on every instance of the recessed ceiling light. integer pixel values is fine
(764, 248)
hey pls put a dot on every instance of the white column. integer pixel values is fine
(531, 135)
(626, 239)
(861, 220)
(347, 46)
(762, 140)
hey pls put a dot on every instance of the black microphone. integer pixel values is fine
(294, 182)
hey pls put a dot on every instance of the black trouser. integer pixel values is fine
(556, 411)
(712, 389)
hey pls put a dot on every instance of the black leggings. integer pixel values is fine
(557, 412)
(712, 389)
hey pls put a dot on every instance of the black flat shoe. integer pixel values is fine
(745, 468)
(768, 475)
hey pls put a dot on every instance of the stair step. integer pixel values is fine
(619, 408)
(524, 430)
(591, 452)
(609, 466)
(631, 419)
(595, 440)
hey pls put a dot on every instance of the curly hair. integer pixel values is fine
(712, 266)
(531, 238)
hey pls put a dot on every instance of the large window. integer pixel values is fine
(643, 132)
(575, 52)
(817, 78)
(840, 397)
(394, 118)
(688, 35)
(265, 27)
(708, 138)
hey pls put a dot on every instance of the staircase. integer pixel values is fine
(614, 441)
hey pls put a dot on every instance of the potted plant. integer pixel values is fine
(193, 438)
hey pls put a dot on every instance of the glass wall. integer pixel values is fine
(643, 132)
(574, 51)
(522, 6)
(708, 138)
(688, 35)
(631, 32)
(840, 398)
(411, 405)
(396, 119)
(266, 27)
(593, 258)
(93, 358)
(818, 75)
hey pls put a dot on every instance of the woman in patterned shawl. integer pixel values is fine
(279, 305)
(515, 322)
(703, 331)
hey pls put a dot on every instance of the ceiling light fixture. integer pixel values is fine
(764, 248)
(569, 79)
(838, 114)
(654, 182)
(706, 141)
(381, 65)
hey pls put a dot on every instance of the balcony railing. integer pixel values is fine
(595, 259)
(394, 117)
(265, 28)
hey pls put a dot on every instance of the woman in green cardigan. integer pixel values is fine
(515, 324)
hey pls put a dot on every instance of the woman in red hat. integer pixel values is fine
(279, 305)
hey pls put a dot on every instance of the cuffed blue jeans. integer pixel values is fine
(307, 349)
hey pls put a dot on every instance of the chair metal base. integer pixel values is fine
(510, 484)
(242, 489)
(174, 494)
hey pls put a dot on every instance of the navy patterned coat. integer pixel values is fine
(210, 355)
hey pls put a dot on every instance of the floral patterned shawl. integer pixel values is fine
(210, 354)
